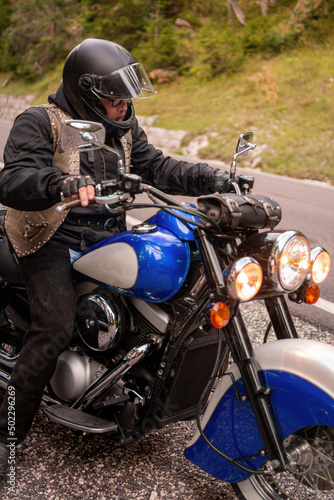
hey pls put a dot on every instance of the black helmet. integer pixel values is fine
(102, 69)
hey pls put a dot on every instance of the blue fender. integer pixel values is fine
(300, 373)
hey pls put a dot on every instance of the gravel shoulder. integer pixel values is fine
(56, 463)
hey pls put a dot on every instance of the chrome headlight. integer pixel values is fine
(321, 263)
(289, 260)
(243, 279)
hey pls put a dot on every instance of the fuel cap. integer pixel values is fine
(144, 228)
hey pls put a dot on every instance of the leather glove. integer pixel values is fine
(221, 181)
(229, 187)
(67, 185)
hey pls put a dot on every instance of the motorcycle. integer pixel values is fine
(160, 337)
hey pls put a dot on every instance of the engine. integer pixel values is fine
(75, 371)
(104, 331)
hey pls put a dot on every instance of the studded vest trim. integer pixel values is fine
(29, 231)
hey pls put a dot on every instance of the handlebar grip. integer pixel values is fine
(69, 205)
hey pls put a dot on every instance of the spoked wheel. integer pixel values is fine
(310, 474)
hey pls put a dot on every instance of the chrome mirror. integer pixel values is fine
(243, 147)
(78, 135)
(244, 143)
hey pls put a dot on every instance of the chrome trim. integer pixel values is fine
(111, 377)
(111, 324)
(48, 400)
(315, 252)
(275, 255)
(7, 359)
(4, 379)
(231, 274)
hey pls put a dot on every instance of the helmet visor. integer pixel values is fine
(130, 82)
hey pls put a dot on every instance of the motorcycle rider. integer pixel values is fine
(100, 79)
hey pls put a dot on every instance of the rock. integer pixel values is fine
(11, 105)
(167, 140)
(182, 23)
(163, 75)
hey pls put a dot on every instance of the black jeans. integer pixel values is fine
(48, 277)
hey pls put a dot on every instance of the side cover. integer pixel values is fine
(301, 374)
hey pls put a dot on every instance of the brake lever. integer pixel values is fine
(113, 199)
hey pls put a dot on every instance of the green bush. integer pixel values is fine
(216, 51)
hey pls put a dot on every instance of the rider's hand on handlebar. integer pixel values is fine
(221, 182)
(73, 187)
(86, 195)
(231, 183)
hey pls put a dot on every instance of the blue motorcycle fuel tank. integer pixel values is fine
(149, 263)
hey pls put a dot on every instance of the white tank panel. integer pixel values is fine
(115, 265)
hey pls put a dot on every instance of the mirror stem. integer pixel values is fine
(233, 167)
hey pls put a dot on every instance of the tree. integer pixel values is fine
(302, 13)
(39, 33)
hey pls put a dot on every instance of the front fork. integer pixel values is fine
(237, 338)
(257, 394)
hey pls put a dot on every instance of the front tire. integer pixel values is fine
(311, 470)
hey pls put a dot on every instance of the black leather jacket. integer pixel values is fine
(28, 167)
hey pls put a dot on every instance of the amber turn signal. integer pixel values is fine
(312, 294)
(220, 315)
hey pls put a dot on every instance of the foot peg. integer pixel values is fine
(76, 419)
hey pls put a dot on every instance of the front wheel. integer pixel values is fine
(310, 474)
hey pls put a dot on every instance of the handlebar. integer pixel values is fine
(123, 191)
(101, 200)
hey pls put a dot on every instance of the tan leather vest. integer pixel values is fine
(28, 231)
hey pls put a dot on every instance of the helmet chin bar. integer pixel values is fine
(123, 124)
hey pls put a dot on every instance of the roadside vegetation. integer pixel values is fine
(221, 67)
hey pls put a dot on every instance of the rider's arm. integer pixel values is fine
(28, 167)
(170, 175)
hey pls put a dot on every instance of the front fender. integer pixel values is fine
(300, 373)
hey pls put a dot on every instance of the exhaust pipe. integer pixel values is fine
(133, 357)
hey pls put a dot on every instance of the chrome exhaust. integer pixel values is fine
(133, 357)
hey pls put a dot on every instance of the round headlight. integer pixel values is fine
(321, 263)
(243, 279)
(290, 260)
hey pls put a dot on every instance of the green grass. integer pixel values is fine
(40, 87)
(287, 100)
